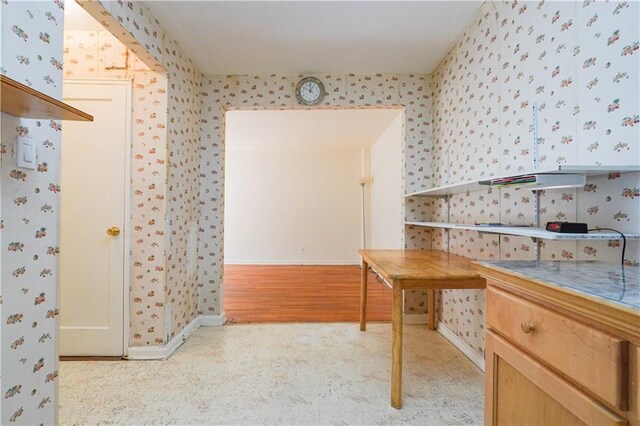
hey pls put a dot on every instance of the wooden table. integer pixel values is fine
(413, 269)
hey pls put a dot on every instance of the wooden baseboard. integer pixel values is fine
(90, 358)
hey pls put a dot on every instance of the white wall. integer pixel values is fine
(386, 188)
(279, 201)
(291, 182)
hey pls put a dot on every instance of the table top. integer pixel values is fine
(423, 265)
(611, 283)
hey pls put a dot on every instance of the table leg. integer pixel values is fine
(363, 295)
(431, 307)
(396, 346)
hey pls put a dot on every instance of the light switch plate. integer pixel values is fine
(26, 153)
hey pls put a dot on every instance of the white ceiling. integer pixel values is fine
(306, 129)
(78, 19)
(245, 37)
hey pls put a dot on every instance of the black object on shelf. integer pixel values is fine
(568, 227)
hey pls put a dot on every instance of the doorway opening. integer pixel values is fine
(304, 190)
(109, 179)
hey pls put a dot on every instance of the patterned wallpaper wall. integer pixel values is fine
(579, 63)
(165, 216)
(183, 210)
(148, 208)
(277, 91)
(97, 55)
(31, 46)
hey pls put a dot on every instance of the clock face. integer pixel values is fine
(310, 91)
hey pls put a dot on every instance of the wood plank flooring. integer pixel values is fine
(270, 293)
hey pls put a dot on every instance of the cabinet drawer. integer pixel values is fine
(589, 357)
(522, 391)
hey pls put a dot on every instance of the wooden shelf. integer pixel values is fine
(485, 183)
(23, 101)
(526, 231)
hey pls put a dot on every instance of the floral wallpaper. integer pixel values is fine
(148, 208)
(277, 91)
(96, 54)
(31, 46)
(577, 63)
(133, 25)
(166, 162)
(183, 178)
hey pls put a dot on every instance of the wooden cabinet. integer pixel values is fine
(550, 364)
(521, 390)
(522, 402)
(589, 357)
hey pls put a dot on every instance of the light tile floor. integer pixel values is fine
(290, 374)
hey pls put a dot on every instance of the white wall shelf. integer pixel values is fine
(450, 189)
(526, 231)
(485, 183)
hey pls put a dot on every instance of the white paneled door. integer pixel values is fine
(92, 219)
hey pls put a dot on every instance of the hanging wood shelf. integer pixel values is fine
(23, 101)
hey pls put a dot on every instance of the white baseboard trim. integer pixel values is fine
(136, 353)
(415, 318)
(456, 341)
(211, 320)
(164, 352)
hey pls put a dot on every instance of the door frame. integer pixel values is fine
(224, 109)
(126, 279)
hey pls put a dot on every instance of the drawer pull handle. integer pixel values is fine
(527, 328)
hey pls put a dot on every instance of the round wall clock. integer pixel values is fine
(310, 91)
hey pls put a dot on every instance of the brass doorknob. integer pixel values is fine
(114, 231)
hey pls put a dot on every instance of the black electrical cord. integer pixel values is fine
(624, 239)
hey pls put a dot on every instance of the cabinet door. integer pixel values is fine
(591, 358)
(521, 391)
